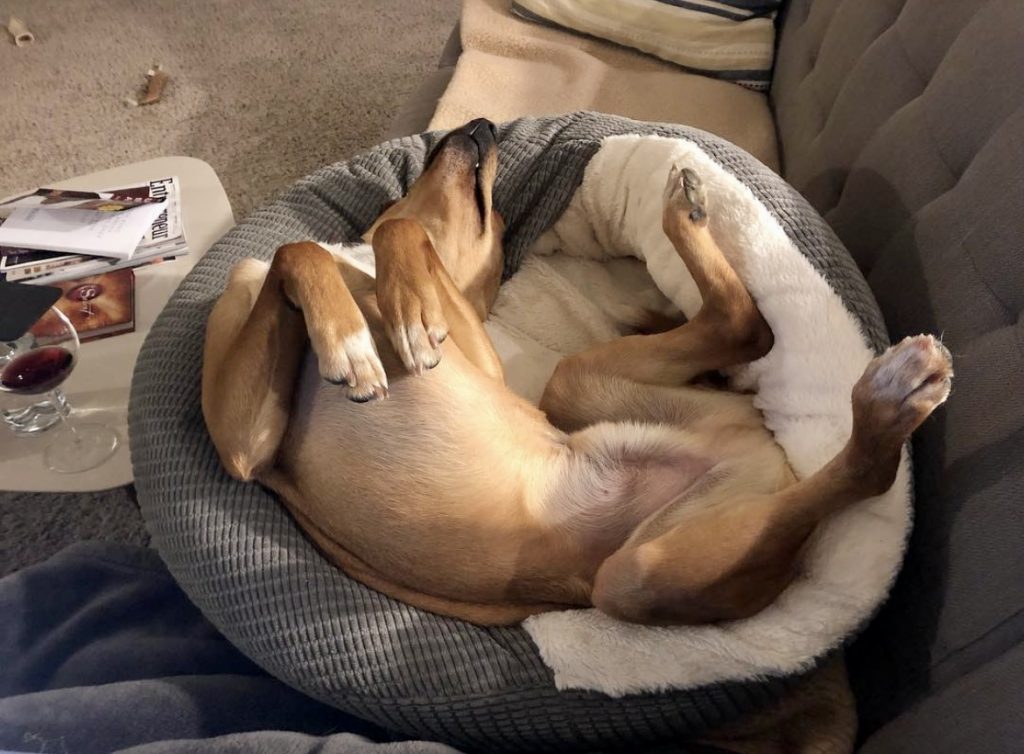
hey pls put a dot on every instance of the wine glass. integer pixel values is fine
(36, 364)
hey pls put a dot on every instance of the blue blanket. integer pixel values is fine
(100, 651)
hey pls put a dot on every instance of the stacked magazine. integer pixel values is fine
(53, 235)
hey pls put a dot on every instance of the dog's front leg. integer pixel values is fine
(422, 306)
(255, 340)
(312, 284)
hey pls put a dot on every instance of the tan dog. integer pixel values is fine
(631, 489)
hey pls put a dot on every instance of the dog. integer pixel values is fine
(375, 408)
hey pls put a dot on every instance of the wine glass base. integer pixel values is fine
(84, 447)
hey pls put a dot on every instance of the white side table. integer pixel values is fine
(98, 387)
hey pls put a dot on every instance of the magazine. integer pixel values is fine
(98, 306)
(101, 201)
(163, 240)
(109, 229)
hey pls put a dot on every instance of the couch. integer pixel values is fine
(902, 122)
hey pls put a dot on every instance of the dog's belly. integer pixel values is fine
(430, 486)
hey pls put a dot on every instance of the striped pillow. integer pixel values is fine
(726, 39)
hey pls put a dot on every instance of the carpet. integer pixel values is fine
(265, 92)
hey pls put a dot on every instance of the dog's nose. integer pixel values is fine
(479, 134)
(482, 131)
(475, 125)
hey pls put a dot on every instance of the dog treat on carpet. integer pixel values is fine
(20, 32)
(156, 80)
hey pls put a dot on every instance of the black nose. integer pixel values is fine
(479, 132)
(482, 132)
(474, 126)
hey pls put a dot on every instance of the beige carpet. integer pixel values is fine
(265, 91)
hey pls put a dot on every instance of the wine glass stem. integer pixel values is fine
(60, 402)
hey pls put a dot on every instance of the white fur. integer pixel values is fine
(364, 361)
(355, 360)
(560, 303)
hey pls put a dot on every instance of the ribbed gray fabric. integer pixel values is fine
(245, 563)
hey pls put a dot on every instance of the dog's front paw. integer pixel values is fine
(351, 361)
(415, 325)
(409, 293)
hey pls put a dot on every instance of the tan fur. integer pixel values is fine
(632, 488)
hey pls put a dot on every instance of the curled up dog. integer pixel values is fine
(376, 409)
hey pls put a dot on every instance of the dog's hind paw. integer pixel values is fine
(685, 198)
(353, 363)
(902, 387)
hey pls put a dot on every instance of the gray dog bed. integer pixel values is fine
(244, 562)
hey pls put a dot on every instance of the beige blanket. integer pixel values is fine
(510, 67)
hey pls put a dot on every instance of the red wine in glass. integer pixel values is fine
(37, 364)
(37, 371)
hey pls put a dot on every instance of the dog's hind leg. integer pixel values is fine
(638, 377)
(255, 339)
(728, 330)
(729, 555)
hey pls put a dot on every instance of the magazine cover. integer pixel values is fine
(97, 306)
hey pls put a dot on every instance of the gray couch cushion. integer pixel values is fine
(902, 121)
(246, 564)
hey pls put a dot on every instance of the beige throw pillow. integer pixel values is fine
(726, 39)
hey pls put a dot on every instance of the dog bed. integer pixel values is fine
(585, 186)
